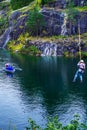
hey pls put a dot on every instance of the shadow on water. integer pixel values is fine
(46, 88)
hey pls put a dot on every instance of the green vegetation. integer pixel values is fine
(16, 4)
(54, 124)
(47, 1)
(71, 14)
(31, 50)
(17, 45)
(4, 4)
(35, 22)
(3, 24)
(84, 54)
(5, 10)
(2, 21)
(82, 8)
(38, 2)
(22, 45)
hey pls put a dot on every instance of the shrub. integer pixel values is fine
(54, 124)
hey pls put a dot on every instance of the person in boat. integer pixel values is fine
(8, 66)
(80, 71)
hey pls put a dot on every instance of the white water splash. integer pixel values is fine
(63, 27)
(50, 50)
(55, 50)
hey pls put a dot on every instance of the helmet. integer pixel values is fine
(7, 64)
(82, 61)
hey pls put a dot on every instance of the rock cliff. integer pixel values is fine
(56, 24)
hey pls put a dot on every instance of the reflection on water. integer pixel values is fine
(43, 88)
(10, 75)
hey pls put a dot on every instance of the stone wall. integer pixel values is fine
(63, 3)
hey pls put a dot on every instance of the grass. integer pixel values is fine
(13, 47)
(82, 9)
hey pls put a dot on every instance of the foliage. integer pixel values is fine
(66, 54)
(22, 38)
(2, 21)
(35, 21)
(3, 24)
(43, 2)
(33, 125)
(38, 2)
(47, 1)
(81, 8)
(22, 45)
(54, 124)
(18, 44)
(14, 47)
(31, 50)
(84, 54)
(4, 4)
(16, 4)
(71, 11)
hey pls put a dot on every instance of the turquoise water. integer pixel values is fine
(43, 88)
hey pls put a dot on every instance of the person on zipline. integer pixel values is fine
(80, 71)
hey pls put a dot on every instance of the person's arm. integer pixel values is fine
(78, 64)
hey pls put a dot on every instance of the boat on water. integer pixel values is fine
(9, 68)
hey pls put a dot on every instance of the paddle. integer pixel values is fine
(18, 69)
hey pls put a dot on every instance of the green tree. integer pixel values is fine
(71, 12)
(16, 4)
(35, 22)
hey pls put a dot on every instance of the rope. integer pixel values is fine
(79, 42)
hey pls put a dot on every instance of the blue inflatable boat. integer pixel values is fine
(9, 68)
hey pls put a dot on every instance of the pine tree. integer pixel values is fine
(71, 12)
(35, 22)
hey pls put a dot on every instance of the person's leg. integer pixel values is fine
(75, 77)
(80, 76)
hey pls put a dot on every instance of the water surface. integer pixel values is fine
(43, 88)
